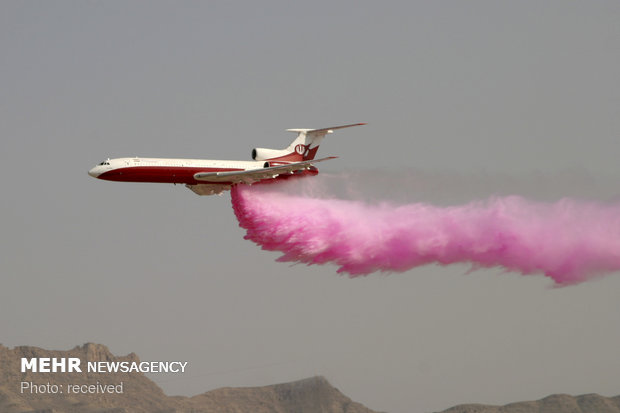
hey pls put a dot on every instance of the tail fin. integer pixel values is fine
(303, 148)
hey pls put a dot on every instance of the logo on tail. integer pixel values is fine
(301, 149)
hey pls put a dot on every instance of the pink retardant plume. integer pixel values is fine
(569, 241)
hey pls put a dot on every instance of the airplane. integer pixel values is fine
(208, 177)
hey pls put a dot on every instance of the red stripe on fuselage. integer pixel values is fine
(160, 174)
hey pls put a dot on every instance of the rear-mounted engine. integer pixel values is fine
(262, 154)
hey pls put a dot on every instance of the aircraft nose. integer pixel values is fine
(94, 172)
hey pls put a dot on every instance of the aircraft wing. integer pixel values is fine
(254, 175)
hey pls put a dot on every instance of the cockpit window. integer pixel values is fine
(105, 163)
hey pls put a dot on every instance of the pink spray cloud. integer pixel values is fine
(568, 240)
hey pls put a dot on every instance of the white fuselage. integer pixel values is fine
(166, 170)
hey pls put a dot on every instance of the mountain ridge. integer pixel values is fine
(555, 403)
(139, 394)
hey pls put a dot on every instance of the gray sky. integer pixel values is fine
(526, 91)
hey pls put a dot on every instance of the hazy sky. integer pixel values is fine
(483, 93)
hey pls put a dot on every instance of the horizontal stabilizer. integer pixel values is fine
(324, 130)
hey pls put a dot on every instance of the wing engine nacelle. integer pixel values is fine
(262, 154)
